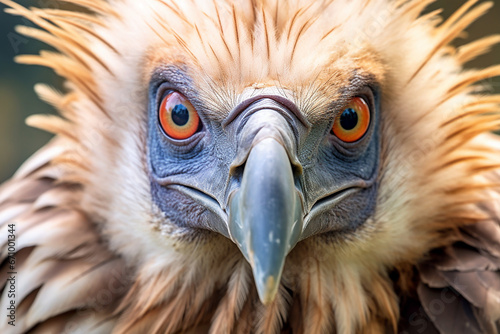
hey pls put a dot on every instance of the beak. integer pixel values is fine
(265, 219)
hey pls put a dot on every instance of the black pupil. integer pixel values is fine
(349, 119)
(180, 115)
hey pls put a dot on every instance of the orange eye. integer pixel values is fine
(353, 122)
(178, 118)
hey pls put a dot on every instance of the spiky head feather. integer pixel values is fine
(83, 205)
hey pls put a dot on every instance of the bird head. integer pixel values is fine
(251, 136)
(307, 139)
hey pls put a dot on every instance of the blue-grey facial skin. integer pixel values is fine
(346, 172)
(192, 180)
(195, 163)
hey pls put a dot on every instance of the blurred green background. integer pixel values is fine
(17, 99)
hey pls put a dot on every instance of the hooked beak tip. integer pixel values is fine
(268, 290)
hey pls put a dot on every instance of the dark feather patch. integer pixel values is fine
(460, 283)
(449, 311)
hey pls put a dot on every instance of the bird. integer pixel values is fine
(256, 166)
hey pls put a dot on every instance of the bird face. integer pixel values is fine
(265, 175)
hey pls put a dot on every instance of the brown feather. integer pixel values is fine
(232, 304)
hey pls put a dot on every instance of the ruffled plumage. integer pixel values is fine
(93, 254)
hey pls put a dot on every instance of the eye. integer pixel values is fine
(353, 122)
(178, 118)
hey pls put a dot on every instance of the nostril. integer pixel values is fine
(237, 172)
(298, 177)
(297, 171)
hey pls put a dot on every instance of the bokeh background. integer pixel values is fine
(18, 100)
